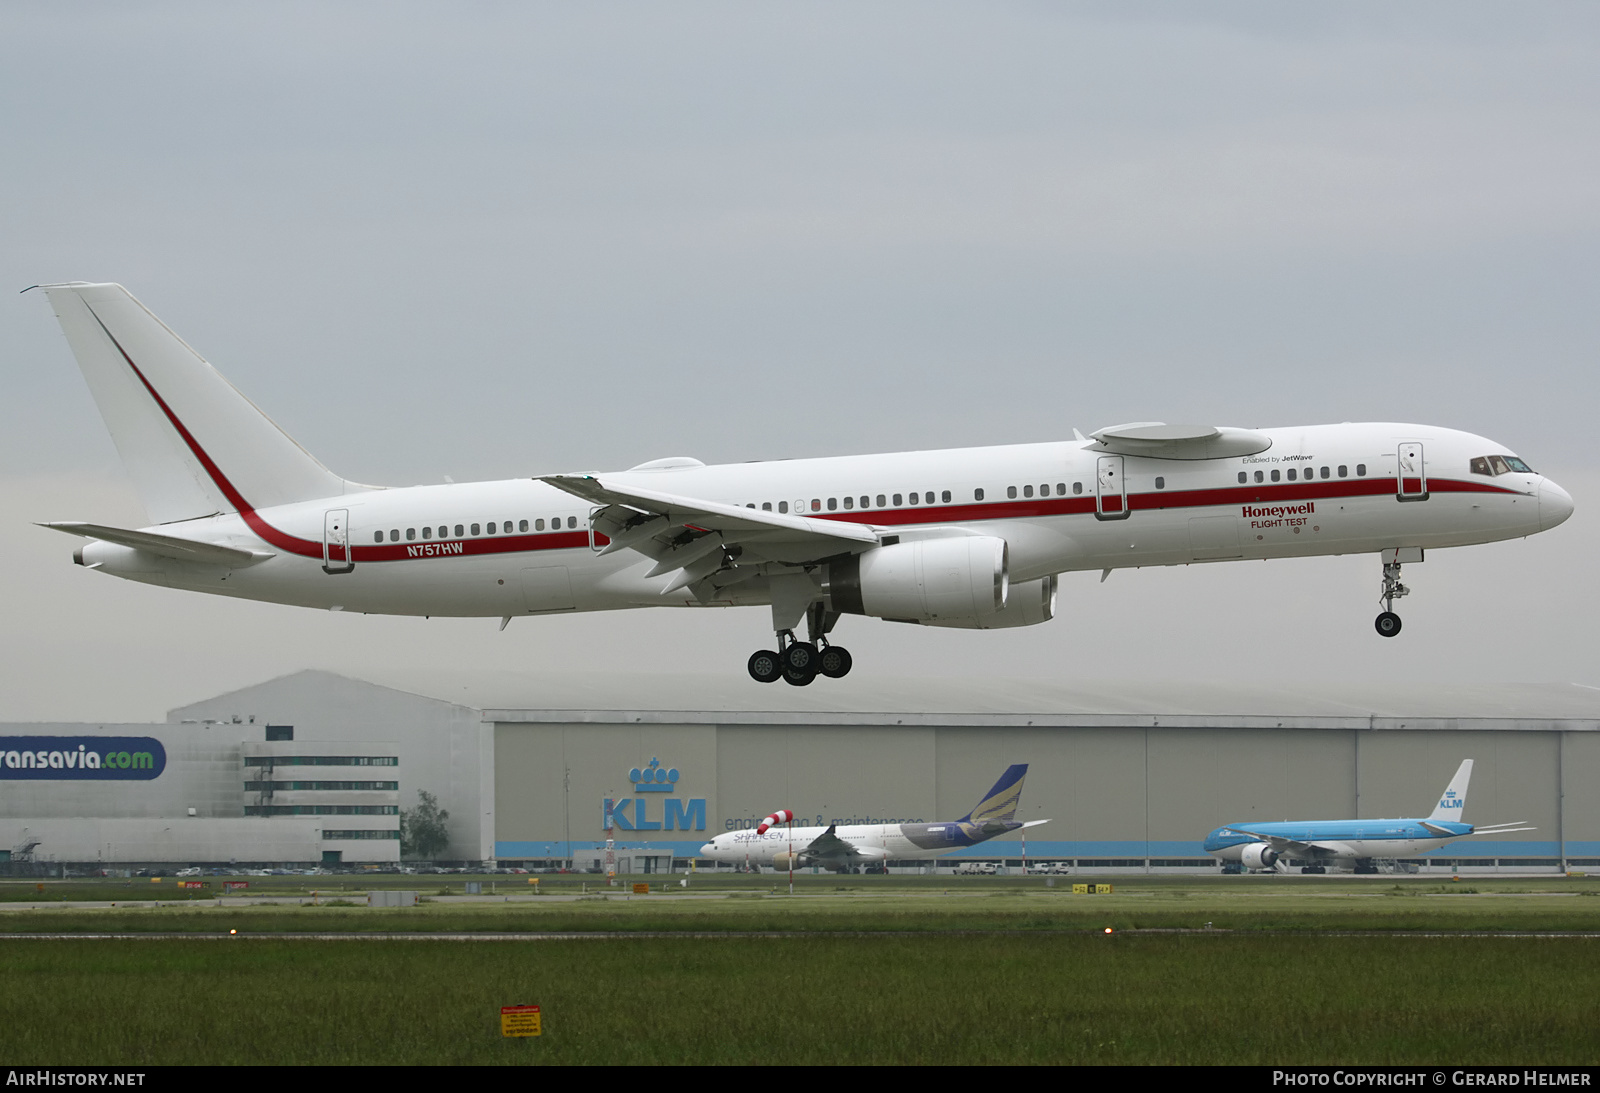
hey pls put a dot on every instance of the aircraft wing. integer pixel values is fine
(697, 537)
(1292, 848)
(829, 845)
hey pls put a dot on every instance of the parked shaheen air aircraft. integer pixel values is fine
(865, 847)
(969, 537)
(1353, 843)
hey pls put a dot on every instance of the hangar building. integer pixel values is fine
(314, 768)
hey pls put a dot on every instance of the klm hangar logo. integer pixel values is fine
(633, 813)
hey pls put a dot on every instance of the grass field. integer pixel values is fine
(924, 999)
(971, 972)
(731, 902)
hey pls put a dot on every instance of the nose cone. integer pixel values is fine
(708, 849)
(1555, 505)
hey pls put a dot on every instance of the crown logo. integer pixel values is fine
(654, 778)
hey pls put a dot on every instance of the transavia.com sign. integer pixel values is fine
(91, 758)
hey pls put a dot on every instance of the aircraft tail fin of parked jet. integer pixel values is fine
(1454, 800)
(999, 805)
(192, 443)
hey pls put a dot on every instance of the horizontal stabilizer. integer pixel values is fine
(1504, 829)
(165, 546)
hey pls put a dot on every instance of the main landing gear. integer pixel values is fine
(800, 662)
(1388, 623)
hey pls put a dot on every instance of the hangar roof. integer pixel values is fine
(508, 696)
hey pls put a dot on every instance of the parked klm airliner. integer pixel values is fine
(971, 538)
(863, 847)
(1352, 843)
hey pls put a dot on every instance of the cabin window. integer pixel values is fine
(522, 525)
(833, 503)
(1161, 483)
(1061, 489)
(749, 504)
(766, 506)
(475, 530)
(783, 506)
(882, 501)
(394, 535)
(816, 504)
(377, 537)
(928, 497)
(977, 494)
(491, 527)
(945, 496)
(1275, 475)
(1325, 472)
(427, 533)
(1077, 487)
(1243, 477)
(1011, 491)
(572, 521)
(898, 500)
(1027, 491)
(1344, 471)
(1259, 476)
(1361, 470)
(507, 527)
(460, 531)
(849, 503)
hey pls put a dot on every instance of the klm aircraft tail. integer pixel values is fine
(192, 444)
(1454, 801)
(999, 805)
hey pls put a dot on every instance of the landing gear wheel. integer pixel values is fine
(834, 662)
(765, 667)
(801, 658)
(798, 679)
(1388, 624)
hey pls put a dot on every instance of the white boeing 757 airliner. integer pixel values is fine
(970, 537)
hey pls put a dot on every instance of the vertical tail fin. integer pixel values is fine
(1454, 801)
(999, 805)
(191, 442)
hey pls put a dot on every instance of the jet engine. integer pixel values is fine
(957, 581)
(1258, 856)
(1028, 604)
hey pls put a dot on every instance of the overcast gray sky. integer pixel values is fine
(495, 239)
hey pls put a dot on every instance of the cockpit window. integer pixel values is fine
(1500, 464)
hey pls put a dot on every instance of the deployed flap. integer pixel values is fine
(166, 546)
(1156, 440)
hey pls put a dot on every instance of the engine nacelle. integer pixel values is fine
(1027, 604)
(960, 580)
(1258, 856)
